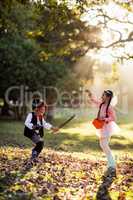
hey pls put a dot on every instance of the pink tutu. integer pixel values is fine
(108, 129)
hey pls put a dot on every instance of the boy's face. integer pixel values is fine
(41, 110)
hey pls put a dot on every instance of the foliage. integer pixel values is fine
(42, 40)
(61, 176)
(39, 43)
(70, 166)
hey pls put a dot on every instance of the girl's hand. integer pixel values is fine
(55, 129)
(102, 118)
(106, 120)
(89, 93)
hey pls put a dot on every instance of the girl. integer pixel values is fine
(34, 125)
(106, 113)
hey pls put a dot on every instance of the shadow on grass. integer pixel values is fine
(72, 142)
(119, 137)
(63, 141)
(11, 134)
(107, 180)
(67, 142)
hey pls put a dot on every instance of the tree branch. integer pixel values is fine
(117, 42)
(113, 19)
(120, 40)
(123, 57)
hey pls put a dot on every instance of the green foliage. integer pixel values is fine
(39, 43)
(113, 76)
(125, 4)
(63, 34)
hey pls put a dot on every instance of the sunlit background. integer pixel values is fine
(110, 70)
(71, 46)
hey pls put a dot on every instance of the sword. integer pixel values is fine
(62, 124)
(66, 121)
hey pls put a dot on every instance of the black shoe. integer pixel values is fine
(35, 160)
(111, 171)
(29, 164)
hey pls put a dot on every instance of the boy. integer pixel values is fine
(34, 125)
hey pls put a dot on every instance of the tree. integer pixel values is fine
(35, 53)
(42, 40)
(20, 57)
(63, 35)
(114, 18)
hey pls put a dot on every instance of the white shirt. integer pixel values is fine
(28, 123)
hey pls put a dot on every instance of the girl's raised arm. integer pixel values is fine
(93, 99)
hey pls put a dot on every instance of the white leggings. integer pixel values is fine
(104, 143)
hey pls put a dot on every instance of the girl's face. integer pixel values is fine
(41, 110)
(105, 98)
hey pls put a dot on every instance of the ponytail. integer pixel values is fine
(108, 106)
(109, 93)
(98, 114)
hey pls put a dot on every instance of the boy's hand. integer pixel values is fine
(36, 127)
(55, 129)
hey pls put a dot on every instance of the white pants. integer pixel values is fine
(104, 143)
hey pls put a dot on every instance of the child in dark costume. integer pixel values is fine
(34, 125)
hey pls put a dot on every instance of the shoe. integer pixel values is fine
(34, 154)
(35, 160)
(112, 171)
(29, 164)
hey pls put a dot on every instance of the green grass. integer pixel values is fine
(62, 161)
(78, 136)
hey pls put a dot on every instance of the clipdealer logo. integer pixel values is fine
(24, 96)
(64, 99)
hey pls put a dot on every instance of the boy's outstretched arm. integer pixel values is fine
(55, 130)
(49, 126)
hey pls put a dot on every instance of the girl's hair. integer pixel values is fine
(109, 94)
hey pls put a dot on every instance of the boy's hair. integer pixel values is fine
(38, 103)
(41, 104)
(35, 102)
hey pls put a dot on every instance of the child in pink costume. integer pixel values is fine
(106, 113)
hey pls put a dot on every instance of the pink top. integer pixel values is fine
(111, 112)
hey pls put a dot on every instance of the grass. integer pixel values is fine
(71, 163)
(78, 137)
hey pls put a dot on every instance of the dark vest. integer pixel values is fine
(28, 132)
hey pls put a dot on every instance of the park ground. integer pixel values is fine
(71, 167)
